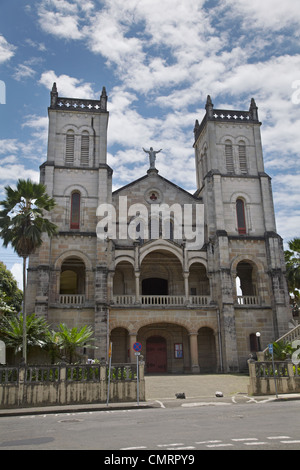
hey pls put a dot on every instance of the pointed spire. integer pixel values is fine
(253, 110)
(54, 96)
(103, 99)
(209, 106)
(196, 128)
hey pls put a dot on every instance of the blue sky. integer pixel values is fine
(158, 60)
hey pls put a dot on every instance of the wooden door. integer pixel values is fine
(156, 354)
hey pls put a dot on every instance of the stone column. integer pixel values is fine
(137, 287)
(186, 286)
(194, 353)
(101, 312)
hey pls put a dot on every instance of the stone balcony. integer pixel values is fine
(122, 300)
(246, 300)
(161, 300)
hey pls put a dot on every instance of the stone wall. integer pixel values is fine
(64, 385)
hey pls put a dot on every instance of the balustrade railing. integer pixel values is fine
(74, 373)
(71, 299)
(163, 300)
(171, 300)
(248, 300)
(265, 369)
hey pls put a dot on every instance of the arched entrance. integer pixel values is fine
(156, 354)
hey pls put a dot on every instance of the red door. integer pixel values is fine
(156, 354)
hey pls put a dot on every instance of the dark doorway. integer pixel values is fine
(154, 286)
(156, 354)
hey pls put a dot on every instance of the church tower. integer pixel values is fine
(69, 271)
(245, 254)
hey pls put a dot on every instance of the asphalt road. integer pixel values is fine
(182, 429)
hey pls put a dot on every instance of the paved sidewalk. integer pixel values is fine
(160, 387)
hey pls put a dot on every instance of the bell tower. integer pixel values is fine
(68, 275)
(244, 250)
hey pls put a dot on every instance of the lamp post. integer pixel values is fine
(258, 341)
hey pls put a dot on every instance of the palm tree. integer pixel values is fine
(11, 331)
(69, 339)
(22, 224)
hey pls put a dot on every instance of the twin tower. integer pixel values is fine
(194, 307)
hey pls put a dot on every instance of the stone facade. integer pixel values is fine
(180, 299)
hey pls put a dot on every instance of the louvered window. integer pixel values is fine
(229, 156)
(85, 148)
(70, 140)
(242, 157)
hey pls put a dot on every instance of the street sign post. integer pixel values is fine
(271, 351)
(137, 348)
(109, 372)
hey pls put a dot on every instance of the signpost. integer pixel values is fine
(270, 346)
(109, 370)
(137, 348)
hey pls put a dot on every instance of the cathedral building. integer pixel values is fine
(192, 277)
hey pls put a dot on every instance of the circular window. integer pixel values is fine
(153, 196)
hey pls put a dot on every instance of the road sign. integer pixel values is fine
(137, 353)
(270, 348)
(137, 347)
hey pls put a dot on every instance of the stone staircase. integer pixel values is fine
(290, 336)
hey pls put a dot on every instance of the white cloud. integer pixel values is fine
(17, 271)
(39, 124)
(23, 71)
(271, 14)
(7, 50)
(63, 23)
(67, 86)
(8, 146)
(12, 172)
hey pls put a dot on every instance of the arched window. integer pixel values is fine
(240, 214)
(242, 157)
(229, 156)
(85, 148)
(75, 211)
(70, 142)
(72, 276)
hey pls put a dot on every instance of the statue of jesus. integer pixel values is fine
(152, 156)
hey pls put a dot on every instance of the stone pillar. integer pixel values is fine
(194, 353)
(101, 312)
(186, 286)
(137, 286)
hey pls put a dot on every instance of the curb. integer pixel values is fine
(72, 409)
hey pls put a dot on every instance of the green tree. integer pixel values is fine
(22, 224)
(10, 294)
(69, 339)
(292, 260)
(11, 331)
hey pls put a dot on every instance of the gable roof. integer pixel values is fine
(154, 171)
